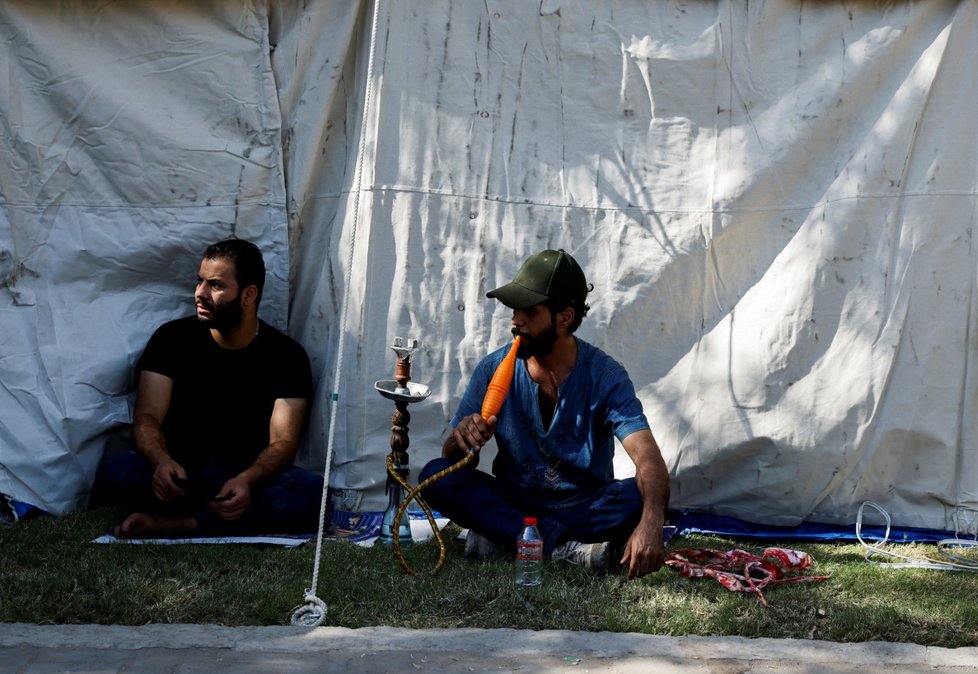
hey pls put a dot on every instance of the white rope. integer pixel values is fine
(313, 612)
(957, 563)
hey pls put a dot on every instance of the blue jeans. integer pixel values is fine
(483, 503)
(287, 503)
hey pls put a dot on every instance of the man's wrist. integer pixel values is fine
(653, 519)
(254, 474)
(157, 458)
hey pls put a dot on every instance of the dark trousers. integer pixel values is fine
(483, 503)
(288, 503)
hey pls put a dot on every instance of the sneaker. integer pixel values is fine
(479, 547)
(594, 556)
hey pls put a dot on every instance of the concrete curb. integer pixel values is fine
(500, 643)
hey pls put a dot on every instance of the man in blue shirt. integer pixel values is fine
(555, 435)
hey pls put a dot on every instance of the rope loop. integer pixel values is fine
(312, 614)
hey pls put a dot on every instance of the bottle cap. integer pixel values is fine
(529, 521)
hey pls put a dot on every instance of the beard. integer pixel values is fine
(225, 316)
(534, 347)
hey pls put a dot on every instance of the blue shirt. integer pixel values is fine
(595, 404)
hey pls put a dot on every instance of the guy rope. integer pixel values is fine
(313, 612)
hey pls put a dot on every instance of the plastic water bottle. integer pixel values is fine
(529, 554)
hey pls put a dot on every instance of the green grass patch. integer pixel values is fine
(51, 574)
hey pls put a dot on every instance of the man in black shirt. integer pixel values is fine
(219, 411)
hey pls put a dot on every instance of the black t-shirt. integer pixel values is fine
(222, 399)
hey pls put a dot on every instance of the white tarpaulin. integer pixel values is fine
(775, 202)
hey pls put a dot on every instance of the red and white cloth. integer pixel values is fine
(740, 571)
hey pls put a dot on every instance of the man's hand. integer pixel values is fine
(644, 551)
(164, 488)
(473, 432)
(235, 498)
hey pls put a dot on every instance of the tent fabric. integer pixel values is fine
(775, 203)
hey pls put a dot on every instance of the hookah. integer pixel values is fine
(397, 460)
(402, 391)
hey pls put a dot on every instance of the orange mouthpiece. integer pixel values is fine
(499, 384)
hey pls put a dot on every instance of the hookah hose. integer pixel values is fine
(491, 404)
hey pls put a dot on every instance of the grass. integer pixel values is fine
(52, 575)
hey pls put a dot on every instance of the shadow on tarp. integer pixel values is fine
(690, 524)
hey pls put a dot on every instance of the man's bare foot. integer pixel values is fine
(143, 525)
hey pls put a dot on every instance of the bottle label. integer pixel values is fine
(529, 551)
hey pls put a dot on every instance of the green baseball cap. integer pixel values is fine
(547, 275)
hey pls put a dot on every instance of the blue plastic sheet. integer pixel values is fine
(718, 525)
